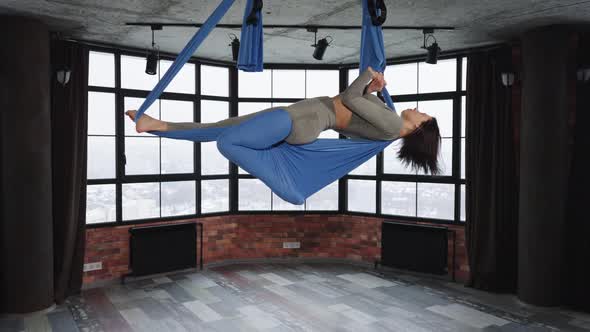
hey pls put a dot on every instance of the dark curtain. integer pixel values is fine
(69, 130)
(492, 190)
(578, 222)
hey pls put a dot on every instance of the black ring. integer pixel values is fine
(377, 20)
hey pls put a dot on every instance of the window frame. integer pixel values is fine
(233, 176)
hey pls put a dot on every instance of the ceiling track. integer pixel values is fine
(308, 27)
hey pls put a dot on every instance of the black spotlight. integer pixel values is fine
(433, 52)
(321, 45)
(151, 66)
(235, 47)
(320, 48)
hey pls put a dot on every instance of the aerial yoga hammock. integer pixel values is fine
(293, 172)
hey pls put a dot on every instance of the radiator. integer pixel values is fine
(419, 248)
(162, 248)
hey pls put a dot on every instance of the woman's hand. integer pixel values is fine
(378, 82)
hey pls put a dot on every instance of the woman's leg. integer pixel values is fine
(251, 145)
(223, 123)
(147, 123)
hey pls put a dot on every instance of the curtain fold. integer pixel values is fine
(491, 171)
(69, 144)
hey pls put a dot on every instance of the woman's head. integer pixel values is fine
(420, 148)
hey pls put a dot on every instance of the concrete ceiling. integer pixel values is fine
(478, 23)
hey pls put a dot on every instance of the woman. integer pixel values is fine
(354, 113)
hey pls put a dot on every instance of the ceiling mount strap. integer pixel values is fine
(254, 12)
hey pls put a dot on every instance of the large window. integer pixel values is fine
(136, 177)
(391, 188)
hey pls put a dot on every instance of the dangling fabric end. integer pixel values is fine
(251, 45)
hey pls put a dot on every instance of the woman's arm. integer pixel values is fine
(377, 114)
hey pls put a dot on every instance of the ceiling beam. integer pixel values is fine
(159, 26)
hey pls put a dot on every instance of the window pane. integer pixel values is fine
(141, 200)
(288, 83)
(143, 155)
(177, 111)
(324, 200)
(278, 204)
(442, 110)
(391, 163)
(177, 156)
(178, 198)
(253, 195)
(402, 79)
(445, 158)
(463, 159)
(249, 108)
(361, 196)
(322, 83)
(212, 161)
(329, 134)
(101, 158)
(369, 167)
(214, 81)
(463, 116)
(352, 75)
(100, 203)
(214, 196)
(133, 74)
(134, 104)
(398, 198)
(101, 113)
(400, 107)
(436, 200)
(213, 110)
(281, 104)
(464, 74)
(438, 78)
(184, 81)
(101, 69)
(463, 193)
(256, 85)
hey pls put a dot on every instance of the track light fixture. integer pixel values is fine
(583, 74)
(151, 66)
(433, 49)
(507, 78)
(63, 75)
(235, 46)
(321, 45)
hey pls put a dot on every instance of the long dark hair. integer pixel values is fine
(421, 147)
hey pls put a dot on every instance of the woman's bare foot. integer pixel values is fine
(147, 123)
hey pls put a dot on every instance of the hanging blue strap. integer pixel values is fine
(373, 49)
(185, 55)
(294, 172)
(250, 56)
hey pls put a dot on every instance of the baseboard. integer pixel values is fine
(288, 260)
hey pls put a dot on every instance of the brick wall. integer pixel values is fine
(261, 236)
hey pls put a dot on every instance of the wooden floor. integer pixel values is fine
(295, 297)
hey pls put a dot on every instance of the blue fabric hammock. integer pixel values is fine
(293, 172)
